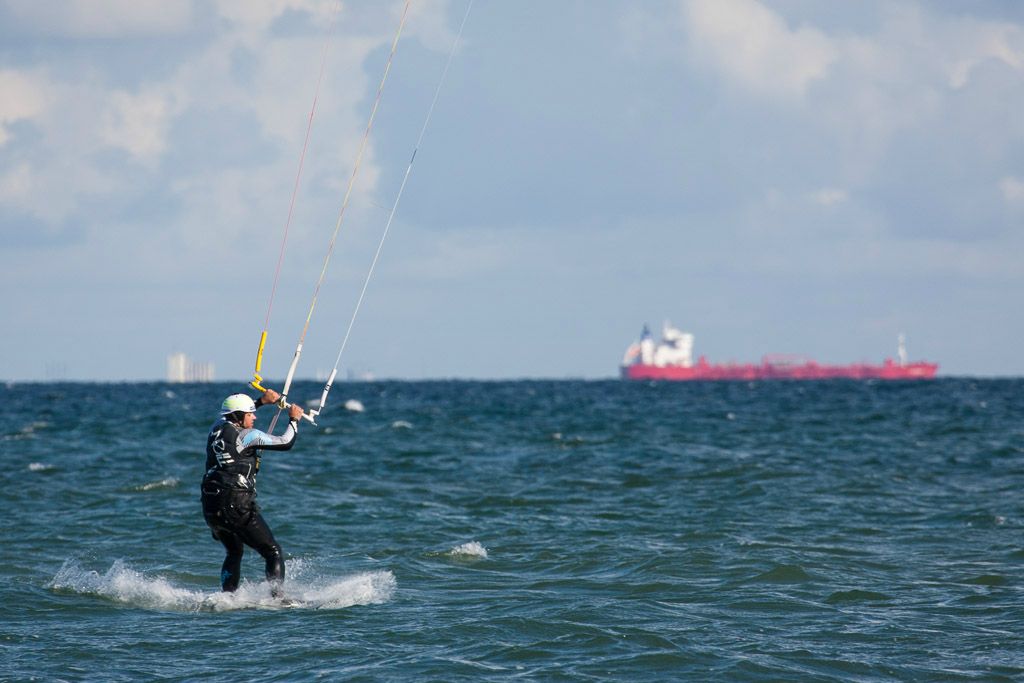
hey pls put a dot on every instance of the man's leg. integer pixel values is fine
(231, 570)
(257, 534)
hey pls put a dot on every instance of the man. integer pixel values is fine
(233, 451)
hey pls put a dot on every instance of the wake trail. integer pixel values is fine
(127, 586)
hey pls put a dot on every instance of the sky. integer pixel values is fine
(774, 176)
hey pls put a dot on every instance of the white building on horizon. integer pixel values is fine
(181, 368)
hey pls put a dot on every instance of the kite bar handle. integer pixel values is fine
(257, 380)
(323, 396)
(311, 415)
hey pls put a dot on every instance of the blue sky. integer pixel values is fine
(775, 176)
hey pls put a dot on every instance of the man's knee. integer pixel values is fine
(272, 552)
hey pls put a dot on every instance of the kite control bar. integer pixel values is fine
(282, 403)
(311, 415)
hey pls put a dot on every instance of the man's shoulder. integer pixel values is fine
(220, 424)
(251, 434)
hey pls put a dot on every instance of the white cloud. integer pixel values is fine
(242, 73)
(752, 45)
(24, 97)
(16, 184)
(903, 73)
(260, 15)
(983, 41)
(50, 176)
(57, 168)
(425, 256)
(80, 116)
(830, 196)
(428, 23)
(138, 123)
(101, 18)
(1012, 189)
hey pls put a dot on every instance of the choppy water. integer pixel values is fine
(533, 530)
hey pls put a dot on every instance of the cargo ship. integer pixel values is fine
(672, 359)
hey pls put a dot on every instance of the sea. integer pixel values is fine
(525, 530)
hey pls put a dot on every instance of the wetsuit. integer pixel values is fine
(229, 497)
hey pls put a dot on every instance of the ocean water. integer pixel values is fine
(827, 531)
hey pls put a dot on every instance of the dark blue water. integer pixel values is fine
(533, 530)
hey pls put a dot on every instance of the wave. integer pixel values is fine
(168, 483)
(471, 549)
(124, 585)
(784, 573)
(856, 596)
(26, 432)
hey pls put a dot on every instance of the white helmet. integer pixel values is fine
(237, 403)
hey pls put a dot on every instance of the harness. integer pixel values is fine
(227, 467)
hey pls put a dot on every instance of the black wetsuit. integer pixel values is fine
(229, 497)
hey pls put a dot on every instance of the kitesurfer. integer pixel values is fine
(233, 451)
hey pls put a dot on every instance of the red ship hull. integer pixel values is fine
(702, 370)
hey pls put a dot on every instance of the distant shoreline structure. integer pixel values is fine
(182, 369)
(672, 359)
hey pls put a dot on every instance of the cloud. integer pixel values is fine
(100, 18)
(454, 256)
(24, 98)
(428, 22)
(81, 111)
(260, 16)
(138, 123)
(16, 184)
(1012, 190)
(830, 196)
(984, 41)
(754, 47)
(47, 171)
(864, 85)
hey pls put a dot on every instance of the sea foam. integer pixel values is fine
(168, 483)
(125, 585)
(471, 549)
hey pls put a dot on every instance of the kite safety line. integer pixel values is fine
(391, 216)
(257, 380)
(283, 403)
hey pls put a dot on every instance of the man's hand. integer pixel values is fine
(294, 412)
(270, 397)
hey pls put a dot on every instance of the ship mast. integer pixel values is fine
(901, 349)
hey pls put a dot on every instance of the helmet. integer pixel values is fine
(237, 403)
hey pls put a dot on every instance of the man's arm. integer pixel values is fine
(254, 438)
